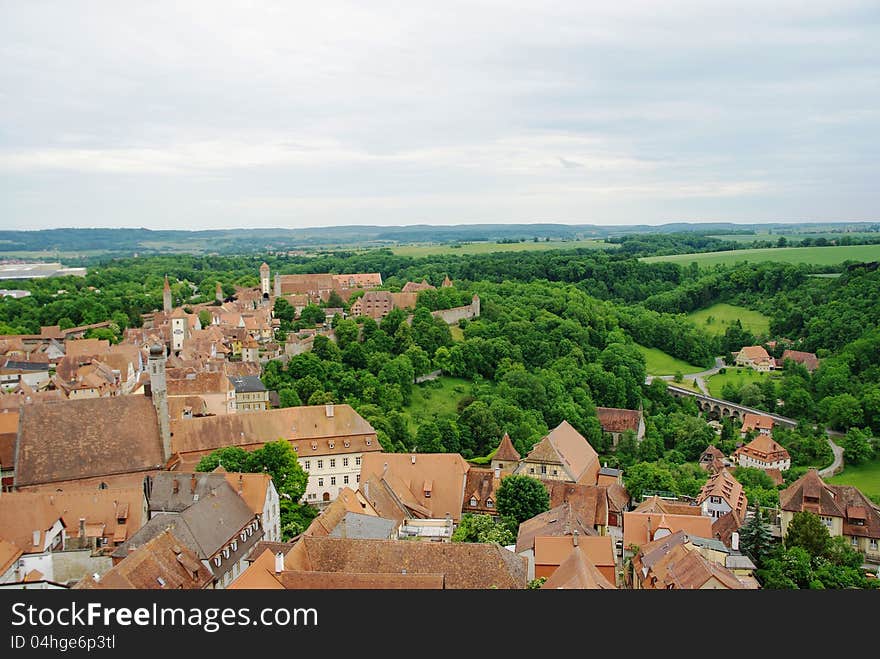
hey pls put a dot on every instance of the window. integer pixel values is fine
(827, 521)
(473, 502)
(332, 444)
(531, 470)
(358, 478)
(243, 535)
(332, 462)
(854, 541)
(320, 464)
(543, 469)
(490, 503)
(226, 553)
(217, 561)
(555, 472)
(345, 480)
(307, 465)
(357, 461)
(369, 442)
(873, 544)
(320, 482)
(312, 495)
(333, 480)
(235, 545)
(344, 462)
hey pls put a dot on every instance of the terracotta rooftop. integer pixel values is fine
(462, 564)
(808, 359)
(723, 484)
(308, 428)
(347, 501)
(577, 572)
(9, 553)
(724, 526)
(407, 473)
(613, 419)
(553, 550)
(640, 527)
(754, 353)
(764, 448)
(589, 502)
(753, 421)
(163, 563)
(506, 451)
(561, 520)
(24, 513)
(566, 446)
(655, 504)
(74, 439)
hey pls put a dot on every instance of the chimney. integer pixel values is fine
(574, 537)
(328, 409)
(279, 563)
(37, 539)
(413, 459)
(734, 541)
(192, 484)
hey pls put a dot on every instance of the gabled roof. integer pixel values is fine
(406, 473)
(361, 526)
(655, 504)
(613, 419)
(462, 564)
(689, 570)
(101, 510)
(163, 563)
(765, 448)
(808, 359)
(589, 502)
(247, 384)
(9, 553)
(566, 446)
(752, 421)
(561, 520)
(754, 353)
(723, 484)
(347, 501)
(577, 572)
(640, 527)
(481, 485)
(72, 439)
(618, 498)
(506, 450)
(810, 493)
(22, 514)
(724, 526)
(301, 425)
(553, 550)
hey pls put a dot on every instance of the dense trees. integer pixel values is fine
(521, 498)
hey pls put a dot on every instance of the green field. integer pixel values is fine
(827, 235)
(685, 384)
(811, 255)
(438, 398)
(659, 363)
(723, 315)
(866, 477)
(487, 248)
(738, 376)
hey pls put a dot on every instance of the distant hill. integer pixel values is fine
(56, 243)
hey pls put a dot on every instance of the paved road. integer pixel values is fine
(837, 465)
(719, 364)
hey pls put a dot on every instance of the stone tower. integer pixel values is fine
(218, 293)
(166, 296)
(475, 306)
(264, 279)
(277, 285)
(159, 394)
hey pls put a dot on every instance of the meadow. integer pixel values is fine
(865, 476)
(739, 377)
(717, 318)
(660, 363)
(811, 255)
(488, 248)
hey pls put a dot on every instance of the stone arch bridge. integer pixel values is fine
(717, 408)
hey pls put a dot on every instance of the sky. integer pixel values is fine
(195, 115)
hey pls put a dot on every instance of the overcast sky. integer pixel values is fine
(294, 114)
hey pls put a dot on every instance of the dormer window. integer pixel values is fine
(235, 545)
(243, 535)
(217, 561)
(346, 443)
(369, 442)
(226, 553)
(490, 503)
(473, 502)
(332, 444)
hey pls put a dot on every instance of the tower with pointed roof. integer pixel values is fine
(447, 282)
(166, 296)
(506, 457)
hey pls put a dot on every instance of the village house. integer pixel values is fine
(163, 563)
(551, 552)
(214, 388)
(329, 563)
(590, 502)
(616, 422)
(763, 452)
(173, 492)
(349, 516)
(407, 486)
(640, 528)
(563, 454)
(758, 423)
(220, 528)
(479, 491)
(330, 441)
(721, 494)
(415, 287)
(34, 531)
(669, 563)
(250, 393)
(713, 459)
(843, 509)
(755, 357)
(577, 572)
(806, 359)
(559, 520)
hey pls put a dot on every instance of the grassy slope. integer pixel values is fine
(812, 255)
(738, 376)
(429, 400)
(660, 363)
(866, 477)
(724, 314)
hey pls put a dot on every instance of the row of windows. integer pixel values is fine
(543, 470)
(489, 503)
(307, 464)
(333, 480)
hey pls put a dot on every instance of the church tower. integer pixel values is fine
(166, 296)
(159, 394)
(264, 279)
